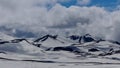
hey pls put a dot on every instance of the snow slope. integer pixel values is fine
(56, 51)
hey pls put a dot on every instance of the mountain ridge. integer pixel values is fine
(85, 44)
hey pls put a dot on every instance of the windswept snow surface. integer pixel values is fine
(58, 52)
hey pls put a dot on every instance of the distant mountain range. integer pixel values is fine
(82, 45)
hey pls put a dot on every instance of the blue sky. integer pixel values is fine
(108, 4)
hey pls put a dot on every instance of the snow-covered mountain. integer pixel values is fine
(59, 49)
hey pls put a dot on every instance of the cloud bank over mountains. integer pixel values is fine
(35, 17)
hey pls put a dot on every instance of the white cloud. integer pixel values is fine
(25, 17)
(83, 2)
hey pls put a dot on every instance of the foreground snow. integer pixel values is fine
(21, 64)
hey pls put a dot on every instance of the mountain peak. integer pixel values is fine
(82, 39)
(46, 37)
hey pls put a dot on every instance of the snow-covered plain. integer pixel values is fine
(58, 52)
